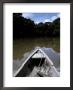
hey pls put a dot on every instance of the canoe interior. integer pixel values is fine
(29, 66)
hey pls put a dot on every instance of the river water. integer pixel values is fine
(25, 45)
(54, 56)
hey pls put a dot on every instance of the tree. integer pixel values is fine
(56, 24)
(18, 25)
(23, 27)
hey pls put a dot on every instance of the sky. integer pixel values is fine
(41, 17)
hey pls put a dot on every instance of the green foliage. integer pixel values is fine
(23, 27)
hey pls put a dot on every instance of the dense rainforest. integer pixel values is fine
(23, 27)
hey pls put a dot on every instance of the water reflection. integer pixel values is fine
(54, 56)
(22, 46)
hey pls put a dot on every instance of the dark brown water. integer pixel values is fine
(22, 46)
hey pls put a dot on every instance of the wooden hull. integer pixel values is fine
(29, 66)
